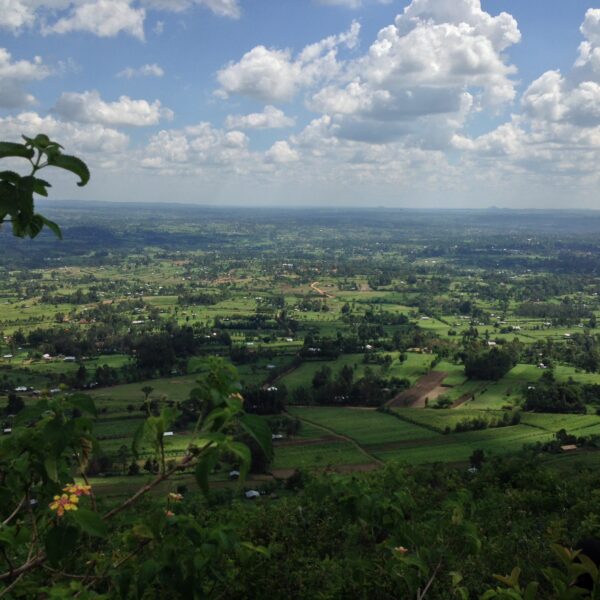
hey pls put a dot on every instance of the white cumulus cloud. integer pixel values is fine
(281, 152)
(269, 118)
(104, 18)
(88, 107)
(75, 137)
(14, 75)
(152, 70)
(222, 8)
(274, 75)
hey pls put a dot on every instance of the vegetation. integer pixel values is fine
(290, 404)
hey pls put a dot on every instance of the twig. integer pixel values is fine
(145, 489)
(130, 555)
(30, 564)
(69, 575)
(421, 594)
(14, 512)
(11, 586)
(84, 477)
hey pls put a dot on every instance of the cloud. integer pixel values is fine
(273, 75)
(349, 3)
(88, 107)
(16, 15)
(418, 81)
(14, 75)
(196, 148)
(557, 132)
(104, 18)
(269, 118)
(76, 138)
(281, 152)
(423, 75)
(222, 8)
(152, 70)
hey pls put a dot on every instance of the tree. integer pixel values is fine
(15, 404)
(492, 365)
(147, 390)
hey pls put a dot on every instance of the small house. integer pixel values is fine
(568, 448)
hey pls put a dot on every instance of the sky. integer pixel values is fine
(396, 103)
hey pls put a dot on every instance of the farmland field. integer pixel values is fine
(324, 321)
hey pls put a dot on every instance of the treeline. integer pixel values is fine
(550, 396)
(565, 313)
(345, 389)
(78, 297)
(201, 298)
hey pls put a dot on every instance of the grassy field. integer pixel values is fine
(318, 455)
(363, 426)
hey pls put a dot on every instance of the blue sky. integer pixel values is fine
(449, 103)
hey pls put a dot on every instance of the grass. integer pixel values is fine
(440, 419)
(318, 455)
(363, 426)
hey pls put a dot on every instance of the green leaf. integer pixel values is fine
(259, 549)
(59, 541)
(138, 436)
(83, 403)
(204, 468)
(51, 468)
(10, 176)
(531, 591)
(34, 225)
(73, 164)
(243, 452)
(10, 149)
(31, 413)
(257, 427)
(53, 227)
(148, 570)
(91, 522)
(39, 186)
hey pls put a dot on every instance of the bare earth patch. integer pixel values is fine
(429, 386)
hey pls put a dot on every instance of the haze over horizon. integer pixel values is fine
(427, 103)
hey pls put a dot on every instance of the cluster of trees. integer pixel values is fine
(565, 313)
(77, 297)
(200, 298)
(551, 396)
(489, 365)
(478, 423)
(345, 389)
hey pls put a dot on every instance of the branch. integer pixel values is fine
(30, 564)
(14, 512)
(69, 575)
(422, 594)
(145, 489)
(11, 586)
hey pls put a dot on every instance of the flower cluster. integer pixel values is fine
(64, 502)
(175, 497)
(70, 499)
(78, 490)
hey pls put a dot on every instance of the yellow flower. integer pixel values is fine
(175, 497)
(401, 550)
(78, 490)
(63, 503)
